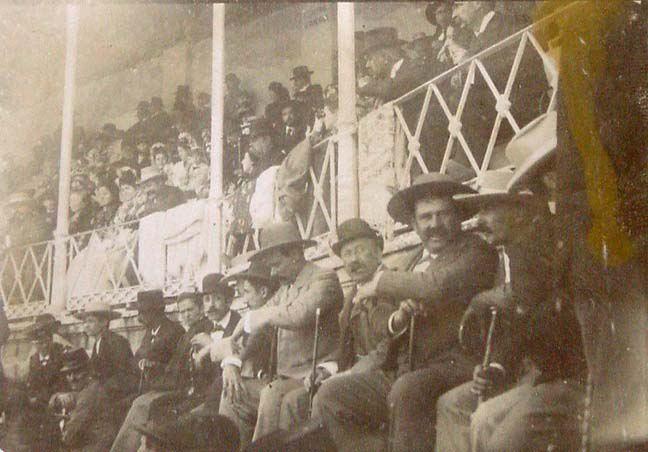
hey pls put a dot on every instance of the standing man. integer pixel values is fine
(160, 338)
(442, 277)
(311, 97)
(304, 288)
(111, 365)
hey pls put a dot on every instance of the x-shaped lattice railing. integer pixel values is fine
(317, 183)
(431, 90)
(25, 274)
(110, 251)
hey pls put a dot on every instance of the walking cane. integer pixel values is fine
(141, 380)
(312, 389)
(489, 345)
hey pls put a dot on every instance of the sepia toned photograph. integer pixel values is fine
(319, 227)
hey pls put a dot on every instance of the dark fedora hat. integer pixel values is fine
(44, 325)
(300, 72)
(280, 235)
(352, 229)
(213, 283)
(74, 359)
(150, 300)
(430, 9)
(401, 205)
(256, 271)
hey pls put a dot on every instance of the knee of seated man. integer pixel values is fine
(406, 392)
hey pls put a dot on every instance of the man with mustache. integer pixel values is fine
(442, 277)
(518, 225)
(363, 323)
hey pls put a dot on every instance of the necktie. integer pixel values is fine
(505, 266)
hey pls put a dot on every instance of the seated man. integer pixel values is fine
(180, 381)
(87, 422)
(160, 339)
(363, 323)
(255, 287)
(304, 289)
(111, 365)
(518, 225)
(442, 276)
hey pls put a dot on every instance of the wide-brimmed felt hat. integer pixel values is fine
(44, 326)
(74, 359)
(256, 271)
(163, 432)
(401, 205)
(300, 72)
(100, 308)
(377, 38)
(492, 191)
(213, 283)
(352, 229)
(150, 300)
(532, 149)
(280, 235)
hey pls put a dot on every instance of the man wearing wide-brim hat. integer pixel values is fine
(304, 288)
(440, 278)
(312, 96)
(26, 223)
(112, 365)
(518, 225)
(158, 196)
(160, 339)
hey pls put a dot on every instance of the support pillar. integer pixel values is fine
(348, 166)
(59, 295)
(217, 139)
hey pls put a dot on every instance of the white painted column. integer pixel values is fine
(348, 178)
(65, 166)
(217, 139)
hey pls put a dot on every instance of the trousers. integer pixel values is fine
(258, 412)
(363, 411)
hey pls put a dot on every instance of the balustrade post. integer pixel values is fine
(59, 296)
(348, 165)
(215, 211)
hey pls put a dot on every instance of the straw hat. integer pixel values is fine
(280, 235)
(99, 308)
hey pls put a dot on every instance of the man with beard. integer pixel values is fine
(442, 277)
(304, 289)
(181, 381)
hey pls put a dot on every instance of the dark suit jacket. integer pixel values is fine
(445, 288)
(114, 366)
(159, 348)
(363, 329)
(45, 380)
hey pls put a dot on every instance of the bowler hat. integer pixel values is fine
(300, 72)
(44, 326)
(532, 149)
(430, 10)
(74, 359)
(401, 205)
(150, 300)
(257, 271)
(492, 192)
(213, 283)
(280, 235)
(98, 308)
(352, 229)
(275, 86)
